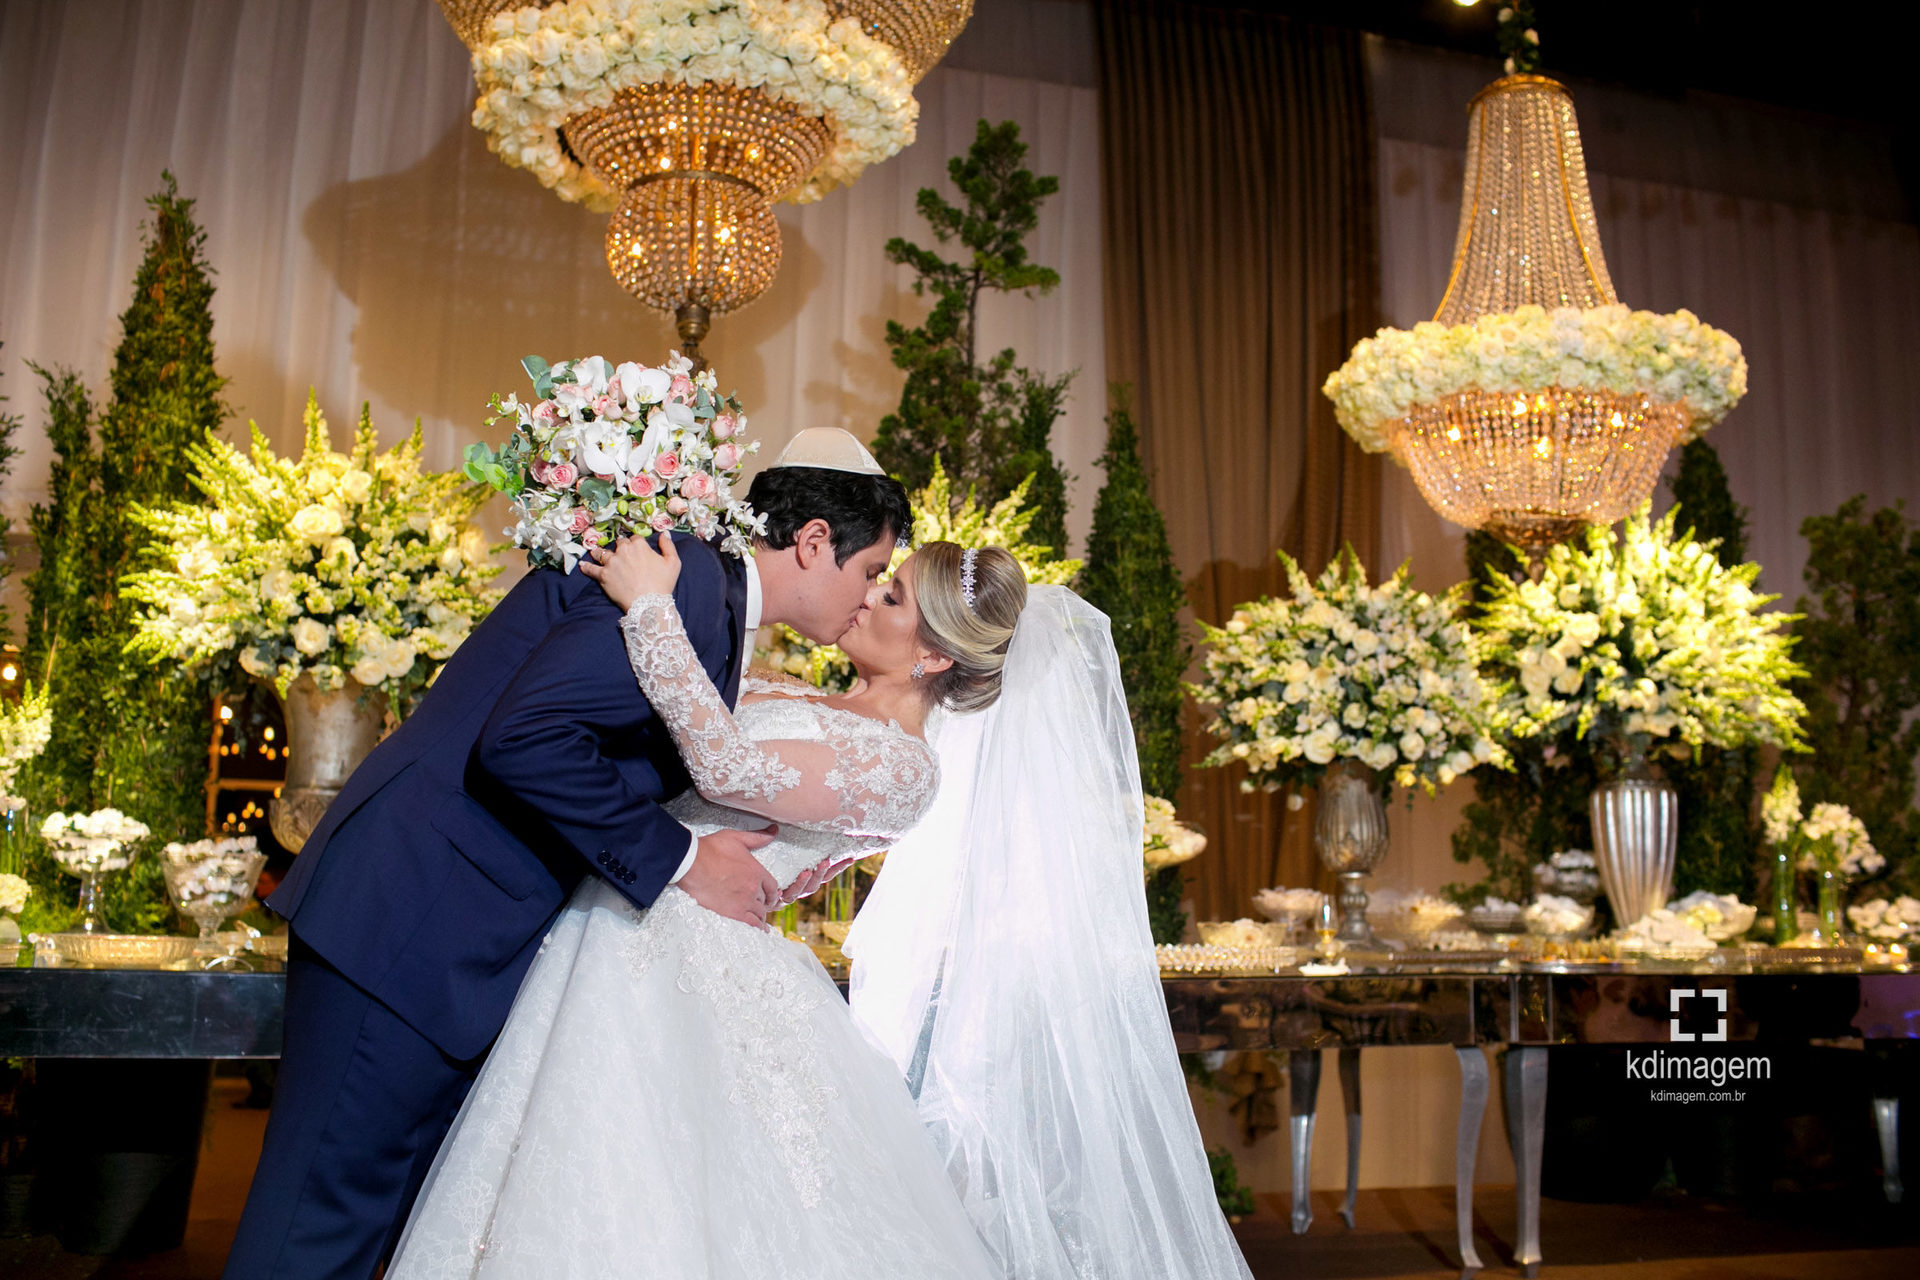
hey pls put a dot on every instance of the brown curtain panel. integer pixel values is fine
(1241, 266)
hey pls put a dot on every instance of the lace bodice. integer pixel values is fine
(838, 783)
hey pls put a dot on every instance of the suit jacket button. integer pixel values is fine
(605, 857)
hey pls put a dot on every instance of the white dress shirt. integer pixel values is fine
(746, 658)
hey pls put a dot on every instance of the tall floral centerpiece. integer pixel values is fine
(1648, 642)
(344, 579)
(1828, 841)
(1355, 688)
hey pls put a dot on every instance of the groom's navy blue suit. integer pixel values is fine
(421, 898)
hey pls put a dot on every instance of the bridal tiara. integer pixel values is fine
(966, 575)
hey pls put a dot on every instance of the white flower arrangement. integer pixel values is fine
(215, 872)
(936, 518)
(1166, 841)
(1284, 904)
(1881, 920)
(14, 891)
(1641, 637)
(544, 64)
(1665, 931)
(607, 451)
(338, 565)
(1721, 916)
(25, 729)
(1674, 358)
(1552, 915)
(92, 841)
(1384, 675)
(1830, 838)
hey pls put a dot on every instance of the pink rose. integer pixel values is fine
(582, 521)
(590, 538)
(545, 411)
(698, 486)
(682, 388)
(604, 407)
(724, 425)
(602, 476)
(562, 475)
(666, 465)
(661, 522)
(677, 505)
(537, 468)
(641, 486)
(726, 457)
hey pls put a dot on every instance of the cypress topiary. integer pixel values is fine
(123, 736)
(989, 425)
(1130, 576)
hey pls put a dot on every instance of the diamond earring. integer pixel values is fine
(919, 670)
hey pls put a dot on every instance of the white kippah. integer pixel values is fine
(829, 449)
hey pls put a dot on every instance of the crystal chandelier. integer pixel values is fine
(1534, 404)
(688, 126)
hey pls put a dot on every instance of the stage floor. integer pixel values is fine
(1400, 1234)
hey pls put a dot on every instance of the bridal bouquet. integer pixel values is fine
(334, 565)
(609, 451)
(1645, 636)
(1384, 675)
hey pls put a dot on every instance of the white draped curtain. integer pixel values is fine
(366, 244)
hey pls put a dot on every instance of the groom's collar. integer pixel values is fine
(754, 599)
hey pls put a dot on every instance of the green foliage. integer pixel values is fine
(1524, 816)
(123, 737)
(1719, 836)
(988, 425)
(1236, 1199)
(1130, 577)
(1860, 644)
(1518, 44)
(9, 427)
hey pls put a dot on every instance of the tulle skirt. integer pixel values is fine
(679, 1095)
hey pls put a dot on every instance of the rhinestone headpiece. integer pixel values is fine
(966, 575)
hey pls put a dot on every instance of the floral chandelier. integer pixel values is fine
(688, 119)
(1533, 403)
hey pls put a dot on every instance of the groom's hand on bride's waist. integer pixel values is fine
(728, 880)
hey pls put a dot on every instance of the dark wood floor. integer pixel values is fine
(1399, 1235)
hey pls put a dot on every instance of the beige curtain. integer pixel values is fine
(1240, 268)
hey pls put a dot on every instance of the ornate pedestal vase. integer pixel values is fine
(210, 886)
(328, 735)
(1350, 835)
(1636, 833)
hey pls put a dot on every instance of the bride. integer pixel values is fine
(684, 1093)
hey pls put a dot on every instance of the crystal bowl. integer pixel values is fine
(120, 950)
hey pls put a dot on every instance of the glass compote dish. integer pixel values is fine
(211, 881)
(89, 845)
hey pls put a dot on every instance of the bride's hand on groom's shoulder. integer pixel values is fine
(634, 569)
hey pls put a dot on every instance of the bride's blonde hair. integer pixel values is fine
(975, 636)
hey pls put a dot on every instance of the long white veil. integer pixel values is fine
(1004, 961)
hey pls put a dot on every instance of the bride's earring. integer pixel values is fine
(919, 670)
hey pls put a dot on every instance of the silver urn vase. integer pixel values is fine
(328, 735)
(1350, 835)
(1636, 834)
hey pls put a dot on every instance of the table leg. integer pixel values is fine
(1886, 1118)
(1466, 1149)
(1350, 1099)
(1526, 1133)
(1303, 1095)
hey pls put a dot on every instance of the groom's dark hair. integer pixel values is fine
(859, 508)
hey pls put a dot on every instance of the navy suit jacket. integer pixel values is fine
(533, 761)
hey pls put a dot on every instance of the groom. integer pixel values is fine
(420, 900)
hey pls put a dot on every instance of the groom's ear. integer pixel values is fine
(813, 544)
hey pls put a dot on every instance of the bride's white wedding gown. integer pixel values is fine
(677, 1094)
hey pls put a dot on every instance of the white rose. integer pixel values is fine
(310, 637)
(316, 523)
(355, 485)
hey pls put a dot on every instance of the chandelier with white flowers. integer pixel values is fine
(1533, 403)
(688, 119)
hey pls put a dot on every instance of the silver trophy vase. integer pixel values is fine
(1636, 834)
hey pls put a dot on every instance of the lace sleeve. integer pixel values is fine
(859, 777)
